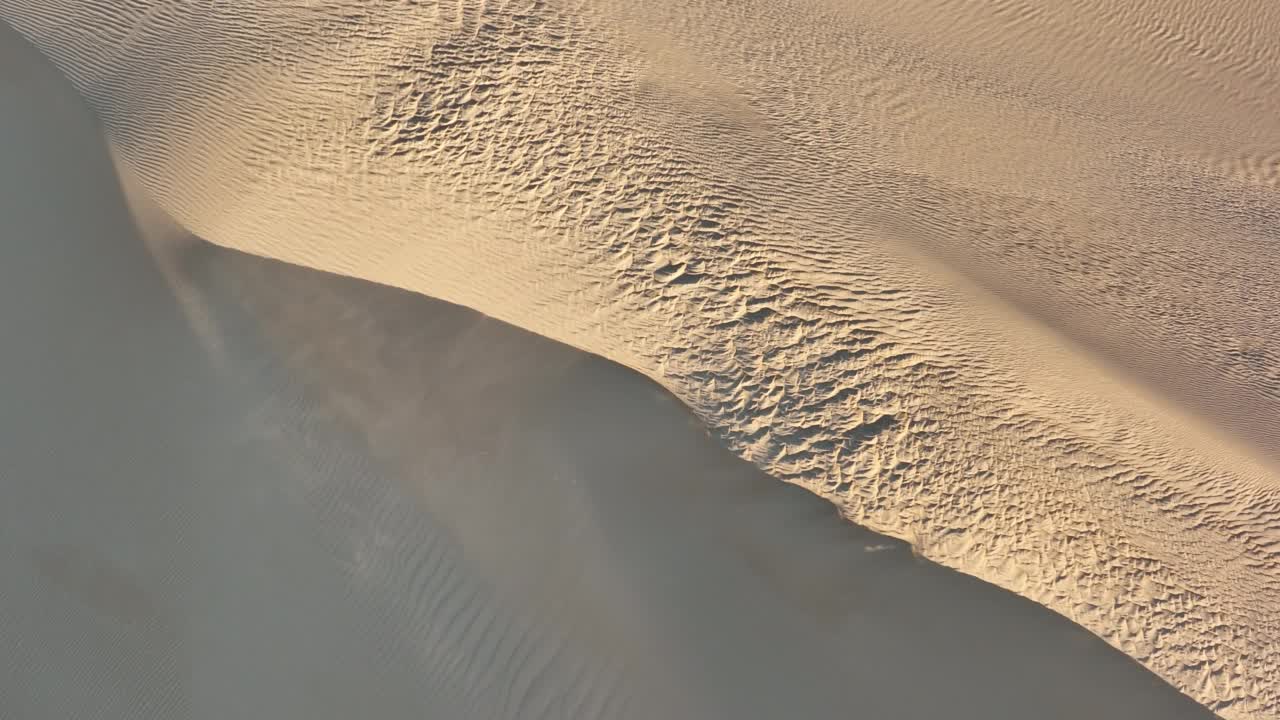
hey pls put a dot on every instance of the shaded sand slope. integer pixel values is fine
(232, 488)
(997, 278)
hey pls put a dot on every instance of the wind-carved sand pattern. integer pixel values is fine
(997, 278)
(235, 487)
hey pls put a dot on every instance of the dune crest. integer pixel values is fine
(235, 487)
(994, 277)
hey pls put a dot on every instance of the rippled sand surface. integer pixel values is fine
(997, 278)
(239, 488)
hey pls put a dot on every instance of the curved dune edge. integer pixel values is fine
(737, 206)
(239, 488)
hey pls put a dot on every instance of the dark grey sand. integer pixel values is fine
(231, 488)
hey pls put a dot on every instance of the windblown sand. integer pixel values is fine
(997, 278)
(238, 488)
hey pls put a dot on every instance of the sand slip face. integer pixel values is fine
(234, 487)
(997, 278)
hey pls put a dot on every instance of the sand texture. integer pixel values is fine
(997, 278)
(236, 488)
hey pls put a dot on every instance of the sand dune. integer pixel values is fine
(238, 488)
(998, 278)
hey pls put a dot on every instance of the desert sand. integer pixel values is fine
(998, 279)
(239, 488)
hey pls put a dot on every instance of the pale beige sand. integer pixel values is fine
(234, 488)
(999, 278)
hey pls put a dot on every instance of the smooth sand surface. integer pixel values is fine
(234, 488)
(996, 278)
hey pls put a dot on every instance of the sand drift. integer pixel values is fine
(995, 278)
